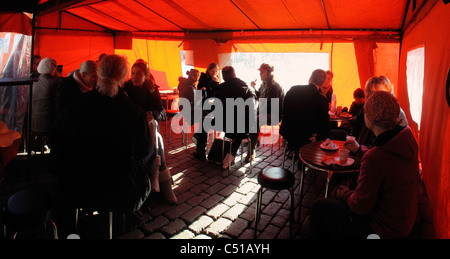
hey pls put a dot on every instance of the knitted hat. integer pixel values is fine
(382, 109)
(47, 66)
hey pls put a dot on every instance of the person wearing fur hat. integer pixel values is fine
(386, 199)
(44, 103)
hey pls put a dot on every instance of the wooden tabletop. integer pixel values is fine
(338, 118)
(313, 155)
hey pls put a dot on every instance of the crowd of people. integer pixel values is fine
(102, 122)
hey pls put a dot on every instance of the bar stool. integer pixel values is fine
(284, 156)
(28, 211)
(245, 140)
(272, 130)
(110, 221)
(275, 178)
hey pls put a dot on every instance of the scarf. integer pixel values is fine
(83, 87)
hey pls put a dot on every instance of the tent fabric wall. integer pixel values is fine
(72, 49)
(162, 55)
(434, 135)
(15, 22)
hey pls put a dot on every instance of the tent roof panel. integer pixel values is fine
(223, 15)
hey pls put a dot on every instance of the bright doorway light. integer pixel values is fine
(289, 68)
(415, 64)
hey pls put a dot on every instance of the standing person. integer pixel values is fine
(305, 113)
(187, 88)
(209, 80)
(44, 98)
(386, 199)
(269, 90)
(36, 60)
(142, 89)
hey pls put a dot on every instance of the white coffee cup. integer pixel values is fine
(350, 138)
(343, 155)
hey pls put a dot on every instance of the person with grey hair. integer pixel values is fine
(305, 113)
(106, 151)
(44, 96)
(77, 83)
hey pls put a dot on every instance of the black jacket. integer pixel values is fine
(305, 113)
(234, 89)
(105, 153)
(147, 97)
(208, 83)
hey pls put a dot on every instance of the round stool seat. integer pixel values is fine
(276, 178)
(27, 208)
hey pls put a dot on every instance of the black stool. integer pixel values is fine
(244, 140)
(110, 220)
(28, 210)
(275, 178)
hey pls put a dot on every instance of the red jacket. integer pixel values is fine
(389, 186)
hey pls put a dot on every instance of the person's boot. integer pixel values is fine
(166, 186)
(155, 174)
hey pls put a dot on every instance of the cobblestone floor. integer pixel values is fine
(213, 203)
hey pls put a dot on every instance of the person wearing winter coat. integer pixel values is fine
(386, 199)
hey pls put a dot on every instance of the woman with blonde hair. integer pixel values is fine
(362, 133)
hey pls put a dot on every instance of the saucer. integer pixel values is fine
(350, 161)
(331, 147)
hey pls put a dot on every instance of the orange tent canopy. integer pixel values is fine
(362, 38)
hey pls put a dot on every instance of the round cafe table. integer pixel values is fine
(313, 156)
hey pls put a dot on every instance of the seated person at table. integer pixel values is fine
(359, 129)
(358, 104)
(269, 90)
(106, 151)
(142, 89)
(234, 89)
(305, 113)
(209, 80)
(386, 199)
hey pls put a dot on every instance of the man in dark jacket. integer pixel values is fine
(305, 113)
(239, 121)
(234, 94)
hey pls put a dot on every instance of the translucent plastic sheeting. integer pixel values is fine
(15, 55)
